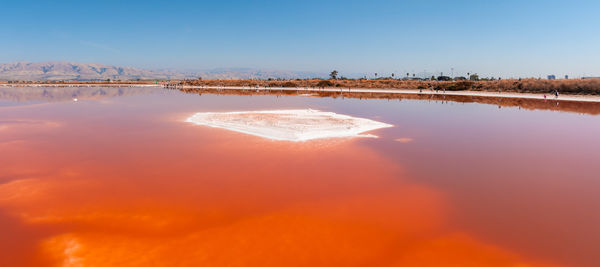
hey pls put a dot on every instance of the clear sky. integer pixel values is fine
(493, 38)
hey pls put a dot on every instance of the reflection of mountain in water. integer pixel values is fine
(61, 94)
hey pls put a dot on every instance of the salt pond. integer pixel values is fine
(120, 178)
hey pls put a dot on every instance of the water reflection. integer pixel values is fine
(130, 183)
(279, 205)
(529, 104)
(14, 95)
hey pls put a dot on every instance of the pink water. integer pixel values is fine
(118, 179)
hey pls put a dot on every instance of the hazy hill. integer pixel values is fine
(77, 71)
(92, 71)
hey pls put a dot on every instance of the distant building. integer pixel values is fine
(551, 77)
(590, 77)
(460, 78)
(566, 77)
(443, 78)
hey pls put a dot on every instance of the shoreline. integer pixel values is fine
(514, 95)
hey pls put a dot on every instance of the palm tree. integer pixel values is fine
(375, 75)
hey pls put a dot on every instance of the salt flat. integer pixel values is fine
(289, 125)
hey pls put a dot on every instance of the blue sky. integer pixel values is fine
(493, 38)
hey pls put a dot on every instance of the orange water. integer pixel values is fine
(123, 181)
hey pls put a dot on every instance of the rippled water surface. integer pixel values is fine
(119, 178)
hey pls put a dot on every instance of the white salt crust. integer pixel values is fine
(289, 125)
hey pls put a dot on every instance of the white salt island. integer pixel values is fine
(289, 125)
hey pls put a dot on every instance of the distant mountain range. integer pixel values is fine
(52, 71)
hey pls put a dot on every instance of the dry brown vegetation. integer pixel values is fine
(571, 86)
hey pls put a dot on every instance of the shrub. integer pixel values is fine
(324, 83)
(289, 84)
(459, 86)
